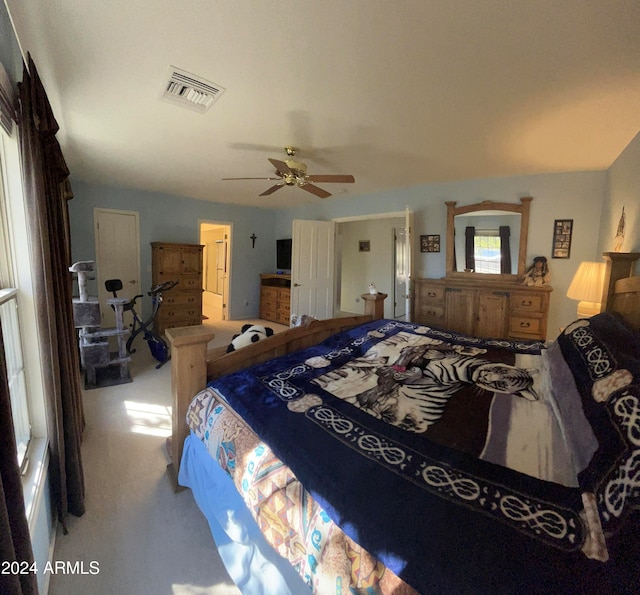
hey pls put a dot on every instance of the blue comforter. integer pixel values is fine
(383, 425)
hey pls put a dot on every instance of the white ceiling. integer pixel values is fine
(398, 93)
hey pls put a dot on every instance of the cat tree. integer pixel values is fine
(100, 365)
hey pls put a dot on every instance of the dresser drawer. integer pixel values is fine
(284, 307)
(284, 295)
(269, 293)
(268, 304)
(523, 302)
(283, 317)
(268, 314)
(179, 313)
(521, 326)
(181, 298)
(190, 282)
(430, 314)
(432, 294)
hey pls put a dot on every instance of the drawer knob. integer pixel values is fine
(431, 293)
(525, 324)
(527, 302)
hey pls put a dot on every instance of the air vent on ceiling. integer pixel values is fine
(191, 91)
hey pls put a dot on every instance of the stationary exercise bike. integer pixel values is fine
(157, 345)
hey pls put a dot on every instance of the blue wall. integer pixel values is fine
(165, 218)
(10, 55)
(623, 191)
(573, 195)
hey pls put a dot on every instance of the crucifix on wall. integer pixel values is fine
(253, 237)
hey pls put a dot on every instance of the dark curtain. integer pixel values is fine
(505, 250)
(469, 248)
(47, 191)
(15, 543)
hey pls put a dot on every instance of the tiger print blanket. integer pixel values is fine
(383, 426)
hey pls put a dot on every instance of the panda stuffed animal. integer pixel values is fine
(250, 333)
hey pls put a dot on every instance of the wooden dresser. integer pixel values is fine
(182, 305)
(490, 309)
(275, 298)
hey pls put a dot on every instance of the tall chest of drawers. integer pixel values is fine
(492, 309)
(182, 305)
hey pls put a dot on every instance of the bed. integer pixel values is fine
(377, 456)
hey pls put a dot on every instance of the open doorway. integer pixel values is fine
(215, 236)
(373, 249)
(399, 272)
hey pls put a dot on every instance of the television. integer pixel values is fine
(283, 255)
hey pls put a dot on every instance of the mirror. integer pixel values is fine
(499, 233)
(490, 231)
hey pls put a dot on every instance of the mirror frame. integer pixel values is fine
(488, 205)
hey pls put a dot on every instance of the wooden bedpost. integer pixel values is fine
(619, 265)
(188, 377)
(374, 304)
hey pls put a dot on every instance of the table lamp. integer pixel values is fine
(586, 287)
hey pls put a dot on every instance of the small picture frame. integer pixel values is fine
(364, 246)
(430, 243)
(562, 230)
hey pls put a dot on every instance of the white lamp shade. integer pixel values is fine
(587, 286)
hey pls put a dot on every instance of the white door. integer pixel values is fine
(117, 257)
(400, 289)
(312, 268)
(408, 261)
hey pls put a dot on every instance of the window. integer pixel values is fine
(15, 370)
(486, 251)
(19, 320)
(19, 326)
(10, 322)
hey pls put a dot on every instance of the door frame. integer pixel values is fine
(399, 288)
(407, 215)
(226, 302)
(100, 277)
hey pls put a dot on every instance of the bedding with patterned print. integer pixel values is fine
(291, 521)
(361, 460)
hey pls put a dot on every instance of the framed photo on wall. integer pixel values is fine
(562, 230)
(430, 243)
(364, 246)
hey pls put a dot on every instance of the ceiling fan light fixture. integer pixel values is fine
(294, 173)
(297, 167)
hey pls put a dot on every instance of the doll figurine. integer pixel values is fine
(538, 273)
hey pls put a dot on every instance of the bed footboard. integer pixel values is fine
(192, 365)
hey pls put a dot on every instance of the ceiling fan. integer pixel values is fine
(294, 173)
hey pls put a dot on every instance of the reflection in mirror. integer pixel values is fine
(487, 242)
(487, 238)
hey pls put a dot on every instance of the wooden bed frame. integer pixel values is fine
(192, 365)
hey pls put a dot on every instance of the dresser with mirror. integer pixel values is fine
(482, 293)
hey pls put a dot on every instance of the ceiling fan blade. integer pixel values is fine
(343, 179)
(272, 190)
(315, 190)
(250, 178)
(280, 166)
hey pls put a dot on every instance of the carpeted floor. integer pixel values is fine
(138, 534)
